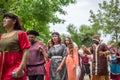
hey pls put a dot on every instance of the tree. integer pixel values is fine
(81, 36)
(107, 18)
(74, 34)
(37, 14)
(86, 34)
(4, 7)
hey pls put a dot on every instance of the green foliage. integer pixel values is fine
(74, 34)
(36, 14)
(86, 34)
(108, 18)
(4, 7)
(81, 36)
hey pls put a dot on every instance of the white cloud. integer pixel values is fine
(77, 14)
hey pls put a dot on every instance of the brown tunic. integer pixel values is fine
(10, 43)
(99, 64)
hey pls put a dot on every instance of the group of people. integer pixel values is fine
(22, 56)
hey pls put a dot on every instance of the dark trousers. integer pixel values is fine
(85, 70)
(36, 77)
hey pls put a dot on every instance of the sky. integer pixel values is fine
(77, 14)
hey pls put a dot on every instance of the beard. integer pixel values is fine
(32, 42)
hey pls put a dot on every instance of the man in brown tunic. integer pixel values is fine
(99, 64)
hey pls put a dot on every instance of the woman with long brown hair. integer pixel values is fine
(72, 59)
(57, 53)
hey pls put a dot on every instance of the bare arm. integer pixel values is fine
(104, 53)
(19, 70)
(43, 52)
(45, 55)
(24, 59)
(110, 58)
(86, 50)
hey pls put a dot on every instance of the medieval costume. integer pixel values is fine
(35, 63)
(100, 63)
(56, 54)
(72, 63)
(11, 54)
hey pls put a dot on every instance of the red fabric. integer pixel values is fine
(1, 63)
(13, 59)
(116, 77)
(0, 35)
(23, 40)
(118, 59)
(0, 56)
(47, 67)
(85, 59)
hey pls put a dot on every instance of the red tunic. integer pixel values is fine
(13, 47)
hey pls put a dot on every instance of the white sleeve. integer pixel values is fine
(80, 51)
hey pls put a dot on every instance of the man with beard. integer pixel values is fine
(36, 61)
(99, 63)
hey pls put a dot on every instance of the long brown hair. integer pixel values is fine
(70, 45)
(59, 39)
(50, 42)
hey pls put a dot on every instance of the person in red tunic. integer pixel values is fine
(14, 46)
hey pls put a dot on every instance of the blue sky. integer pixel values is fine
(77, 14)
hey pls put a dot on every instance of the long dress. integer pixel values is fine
(71, 63)
(56, 53)
(12, 50)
